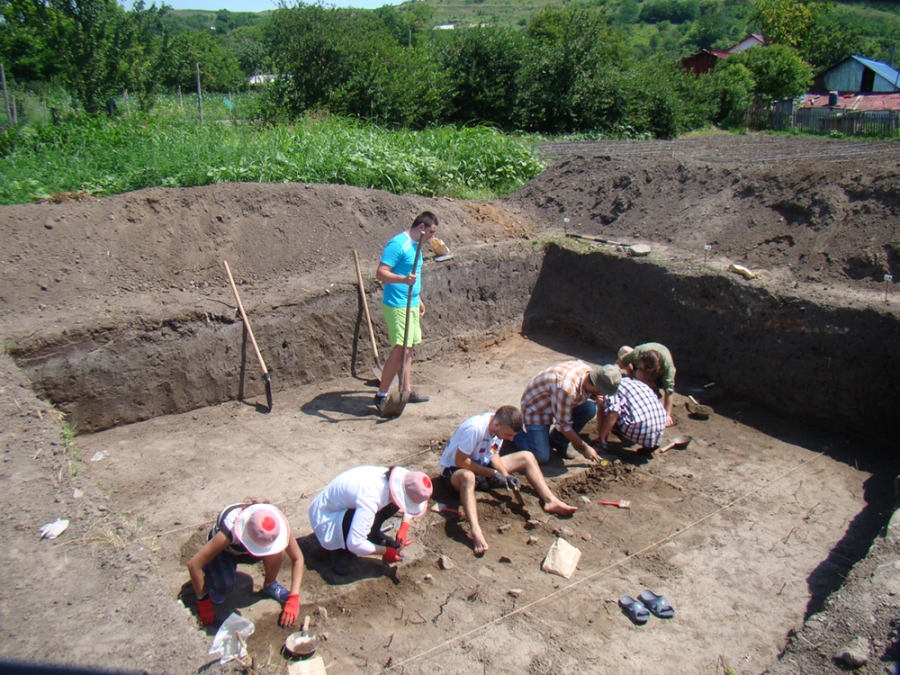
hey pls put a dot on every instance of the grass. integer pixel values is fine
(100, 156)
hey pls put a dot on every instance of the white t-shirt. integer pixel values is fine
(472, 438)
(364, 488)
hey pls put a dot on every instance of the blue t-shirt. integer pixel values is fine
(399, 255)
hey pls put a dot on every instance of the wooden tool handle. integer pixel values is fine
(262, 364)
(408, 308)
(362, 293)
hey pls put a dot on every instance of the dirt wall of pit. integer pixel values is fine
(819, 363)
(130, 371)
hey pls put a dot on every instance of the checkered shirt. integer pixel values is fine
(553, 393)
(642, 418)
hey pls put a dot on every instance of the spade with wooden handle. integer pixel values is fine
(376, 371)
(267, 378)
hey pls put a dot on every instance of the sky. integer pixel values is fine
(263, 5)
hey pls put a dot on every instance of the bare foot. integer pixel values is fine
(480, 545)
(559, 508)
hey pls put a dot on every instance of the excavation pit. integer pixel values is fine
(747, 532)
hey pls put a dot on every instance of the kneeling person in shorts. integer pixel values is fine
(470, 461)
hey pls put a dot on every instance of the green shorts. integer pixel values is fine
(395, 318)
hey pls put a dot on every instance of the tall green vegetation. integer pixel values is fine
(102, 157)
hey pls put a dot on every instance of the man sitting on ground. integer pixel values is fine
(635, 412)
(470, 461)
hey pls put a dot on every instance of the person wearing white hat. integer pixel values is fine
(248, 532)
(348, 514)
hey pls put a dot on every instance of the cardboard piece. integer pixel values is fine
(562, 559)
(313, 666)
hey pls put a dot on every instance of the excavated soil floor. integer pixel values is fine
(116, 313)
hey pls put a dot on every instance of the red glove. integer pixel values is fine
(207, 613)
(402, 534)
(290, 611)
(391, 555)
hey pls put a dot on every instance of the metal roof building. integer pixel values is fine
(858, 74)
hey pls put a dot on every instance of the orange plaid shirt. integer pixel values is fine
(553, 393)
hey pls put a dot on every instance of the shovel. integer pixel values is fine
(680, 443)
(398, 399)
(262, 364)
(697, 409)
(376, 371)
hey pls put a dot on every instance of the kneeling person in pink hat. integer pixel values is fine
(247, 533)
(348, 514)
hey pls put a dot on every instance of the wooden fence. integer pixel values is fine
(782, 117)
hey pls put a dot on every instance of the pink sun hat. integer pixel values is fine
(410, 490)
(262, 529)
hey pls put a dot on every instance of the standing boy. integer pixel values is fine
(396, 272)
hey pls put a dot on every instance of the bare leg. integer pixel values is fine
(524, 462)
(272, 564)
(464, 481)
(391, 368)
(408, 370)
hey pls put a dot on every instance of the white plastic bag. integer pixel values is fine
(54, 529)
(226, 644)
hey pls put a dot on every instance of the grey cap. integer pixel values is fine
(606, 378)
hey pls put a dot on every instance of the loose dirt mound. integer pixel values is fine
(800, 207)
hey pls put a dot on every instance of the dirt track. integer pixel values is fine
(735, 531)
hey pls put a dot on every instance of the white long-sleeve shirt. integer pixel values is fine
(364, 488)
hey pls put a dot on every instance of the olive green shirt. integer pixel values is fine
(667, 371)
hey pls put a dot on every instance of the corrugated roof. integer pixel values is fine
(868, 102)
(882, 69)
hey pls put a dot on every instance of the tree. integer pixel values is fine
(219, 69)
(786, 22)
(734, 85)
(91, 35)
(247, 44)
(484, 64)
(778, 71)
(26, 41)
(145, 54)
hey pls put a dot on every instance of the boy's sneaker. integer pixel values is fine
(380, 402)
(415, 397)
(217, 598)
(277, 592)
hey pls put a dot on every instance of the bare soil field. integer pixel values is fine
(769, 534)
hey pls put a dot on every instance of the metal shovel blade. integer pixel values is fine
(377, 372)
(395, 404)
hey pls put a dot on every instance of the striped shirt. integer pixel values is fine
(553, 393)
(642, 418)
